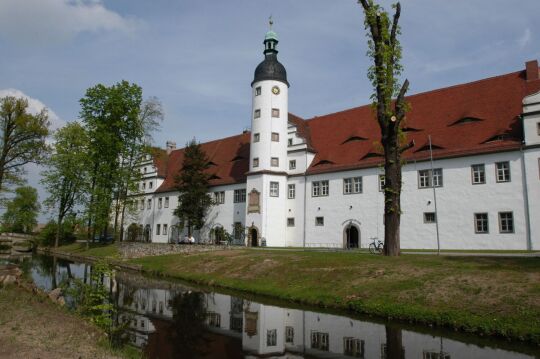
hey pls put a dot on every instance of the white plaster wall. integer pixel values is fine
(457, 202)
(295, 209)
(532, 168)
(531, 118)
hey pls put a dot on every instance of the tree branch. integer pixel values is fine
(400, 102)
(395, 21)
(406, 147)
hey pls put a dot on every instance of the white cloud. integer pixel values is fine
(524, 39)
(54, 21)
(35, 106)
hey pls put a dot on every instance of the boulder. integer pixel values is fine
(55, 294)
(9, 279)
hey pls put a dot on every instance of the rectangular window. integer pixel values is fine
(274, 162)
(214, 319)
(255, 162)
(320, 341)
(239, 195)
(144, 185)
(271, 337)
(435, 355)
(275, 137)
(319, 221)
(352, 185)
(275, 112)
(292, 191)
(257, 113)
(506, 222)
(166, 202)
(429, 217)
(289, 142)
(274, 189)
(165, 229)
(258, 91)
(238, 230)
(159, 203)
(353, 347)
(219, 197)
(292, 164)
(502, 171)
(424, 178)
(256, 137)
(290, 222)
(289, 335)
(320, 188)
(538, 128)
(150, 184)
(478, 174)
(142, 203)
(158, 229)
(149, 204)
(481, 224)
(382, 182)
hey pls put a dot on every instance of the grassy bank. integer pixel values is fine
(97, 250)
(485, 295)
(33, 327)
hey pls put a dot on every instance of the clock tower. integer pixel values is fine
(267, 176)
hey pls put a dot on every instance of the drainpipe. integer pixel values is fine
(526, 200)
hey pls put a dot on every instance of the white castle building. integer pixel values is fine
(318, 182)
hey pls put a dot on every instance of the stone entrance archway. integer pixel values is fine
(351, 237)
(253, 240)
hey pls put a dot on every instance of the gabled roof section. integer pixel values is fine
(160, 161)
(496, 102)
(220, 152)
(302, 129)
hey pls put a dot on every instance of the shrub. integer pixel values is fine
(47, 235)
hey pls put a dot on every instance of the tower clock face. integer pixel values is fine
(275, 90)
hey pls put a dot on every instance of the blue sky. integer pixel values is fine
(198, 57)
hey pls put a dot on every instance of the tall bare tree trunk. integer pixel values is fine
(394, 343)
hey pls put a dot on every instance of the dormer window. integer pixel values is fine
(464, 120)
(354, 139)
(257, 113)
(426, 148)
(499, 137)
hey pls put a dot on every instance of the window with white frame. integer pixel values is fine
(353, 347)
(275, 112)
(481, 224)
(150, 184)
(271, 337)
(289, 335)
(292, 164)
(257, 113)
(258, 91)
(319, 221)
(291, 193)
(274, 162)
(165, 227)
(478, 174)
(506, 222)
(256, 137)
(430, 217)
(239, 195)
(275, 137)
(290, 222)
(382, 182)
(424, 178)
(149, 204)
(352, 185)
(290, 142)
(256, 162)
(274, 189)
(238, 230)
(319, 188)
(219, 197)
(320, 340)
(159, 203)
(158, 229)
(142, 204)
(166, 202)
(502, 171)
(144, 185)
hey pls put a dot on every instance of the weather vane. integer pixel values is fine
(270, 21)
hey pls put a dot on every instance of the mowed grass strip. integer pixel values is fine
(98, 250)
(485, 295)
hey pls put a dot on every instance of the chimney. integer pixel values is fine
(170, 146)
(531, 70)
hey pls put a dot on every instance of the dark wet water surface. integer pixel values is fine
(168, 319)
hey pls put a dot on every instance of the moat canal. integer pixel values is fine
(169, 319)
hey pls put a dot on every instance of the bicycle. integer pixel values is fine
(374, 247)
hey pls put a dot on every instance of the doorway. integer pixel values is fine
(254, 237)
(352, 237)
(147, 231)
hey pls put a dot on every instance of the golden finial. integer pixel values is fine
(270, 21)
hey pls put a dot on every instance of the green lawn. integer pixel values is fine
(96, 250)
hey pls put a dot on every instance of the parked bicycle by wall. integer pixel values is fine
(376, 247)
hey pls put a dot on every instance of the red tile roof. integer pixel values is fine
(349, 139)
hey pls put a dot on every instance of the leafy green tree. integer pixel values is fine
(192, 183)
(22, 211)
(66, 175)
(22, 139)
(385, 51)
